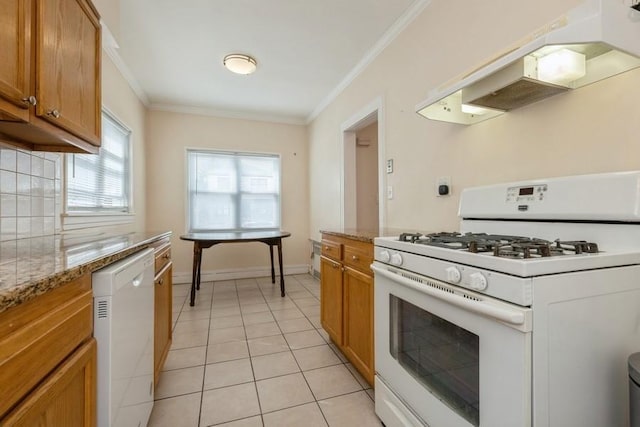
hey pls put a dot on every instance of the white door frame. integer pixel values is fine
(374, 111)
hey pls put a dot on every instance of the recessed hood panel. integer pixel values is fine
(596, 40)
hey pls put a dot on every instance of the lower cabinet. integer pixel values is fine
(346, 301)
(65, 398)
(163, 295)
(48, 359)
(331, 298)
(357, 342)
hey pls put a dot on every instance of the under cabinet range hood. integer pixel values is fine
(595, 40)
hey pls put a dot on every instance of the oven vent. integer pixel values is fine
(435, 285)
(439, 287)
(426, 282)
(472, 298)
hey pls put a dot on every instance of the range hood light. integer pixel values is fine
(561, 67)
(594, 40)
(472, 109)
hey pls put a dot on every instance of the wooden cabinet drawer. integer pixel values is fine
(38, 335)
(163, 257)
(332, 249)
(358, 257)
(65, 398)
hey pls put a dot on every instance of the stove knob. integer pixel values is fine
(453, 275)
(385, 256)
(478, 281)
(396, 259)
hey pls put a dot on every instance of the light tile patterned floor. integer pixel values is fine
(245, 357)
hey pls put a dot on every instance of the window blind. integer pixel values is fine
(233, 191)
(100, 183)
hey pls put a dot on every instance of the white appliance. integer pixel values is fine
(485, 328)
(594, 40)
(123, 326)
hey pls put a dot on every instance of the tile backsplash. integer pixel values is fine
(30, 193)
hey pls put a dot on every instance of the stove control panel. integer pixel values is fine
(477, 281)
(453, 275)
(396, 259)
(529, 193)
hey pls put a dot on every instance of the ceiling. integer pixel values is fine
(306, 51)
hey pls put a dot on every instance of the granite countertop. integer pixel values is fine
(364, 235)
(30, 267)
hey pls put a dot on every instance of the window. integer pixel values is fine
(233, 191)
(100, 184)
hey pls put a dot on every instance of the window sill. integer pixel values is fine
(78, 220)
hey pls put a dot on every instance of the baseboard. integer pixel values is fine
(238, 273)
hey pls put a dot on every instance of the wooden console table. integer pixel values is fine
(206, 240)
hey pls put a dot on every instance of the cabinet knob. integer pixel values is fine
(335, 265)
(354, 257)
(327, 248)
(161, 281)
(165, 256)
(31, 100)
(53, 113)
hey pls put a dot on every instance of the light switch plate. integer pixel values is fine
(390, 166)
(389, 192)
(443, 180)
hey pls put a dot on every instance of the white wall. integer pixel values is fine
(593, 129)
(170, 134)
(122, 102)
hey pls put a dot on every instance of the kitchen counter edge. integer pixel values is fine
(22, 292)
(366, 236)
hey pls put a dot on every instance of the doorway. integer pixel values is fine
(363, 148)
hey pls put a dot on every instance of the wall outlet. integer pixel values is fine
(389, 192)
(390, 166)
(443, 186)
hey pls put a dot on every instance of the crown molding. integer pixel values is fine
(110, 46)
(228, 114)
(398, 26)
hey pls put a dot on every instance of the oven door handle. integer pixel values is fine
(505, 314)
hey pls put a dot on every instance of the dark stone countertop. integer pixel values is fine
(30, 267)
(364, 235)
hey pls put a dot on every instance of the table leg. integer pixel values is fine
(199, 269)
(273, 270)
(197, 257)
(281, 270)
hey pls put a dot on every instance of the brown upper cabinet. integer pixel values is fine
(50, 94)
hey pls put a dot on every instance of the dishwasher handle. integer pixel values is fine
(137, 281)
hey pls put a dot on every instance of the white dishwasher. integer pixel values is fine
(123, 326)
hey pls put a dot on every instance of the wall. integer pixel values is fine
(593, 129)
(122, 102)
(367, 177)
(31, 188)
(168, 136)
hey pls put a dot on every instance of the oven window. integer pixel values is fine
(442, 356)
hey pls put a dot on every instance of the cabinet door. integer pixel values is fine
(331, 298)
(15, 25)
(68, 67)
(163, 321)
(66, 398)
(358, 321)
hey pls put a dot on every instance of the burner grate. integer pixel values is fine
(502, 245)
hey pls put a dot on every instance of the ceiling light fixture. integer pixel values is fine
(240, 64)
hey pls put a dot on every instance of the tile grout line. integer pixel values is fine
(253, 372)
(206, 354)
(265, 298)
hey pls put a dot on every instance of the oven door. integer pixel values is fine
(448, 356)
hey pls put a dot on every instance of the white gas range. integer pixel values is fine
(525, 317)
